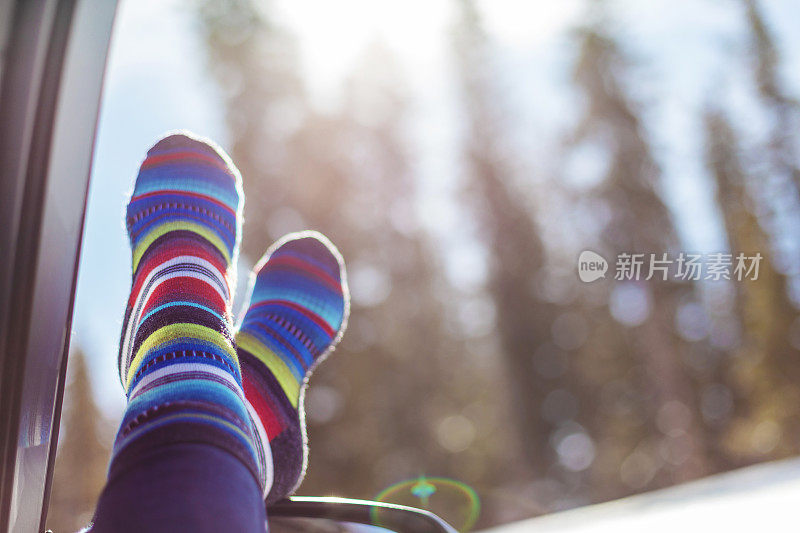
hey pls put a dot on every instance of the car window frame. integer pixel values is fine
(54, 59)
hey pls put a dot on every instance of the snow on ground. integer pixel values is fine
(758, 498)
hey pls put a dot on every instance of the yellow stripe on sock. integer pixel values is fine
(288, 383)
(179, 225)
(178, 331)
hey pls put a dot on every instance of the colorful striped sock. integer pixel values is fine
(298, 312)
(177, 361)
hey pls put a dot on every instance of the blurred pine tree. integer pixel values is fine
(516, 252)
(83, 453)
(256, 65)
(767, 367)
(783, 109)
(670, 444)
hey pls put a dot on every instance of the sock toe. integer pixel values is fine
(186, 184)
(189, 141)
(305, 268)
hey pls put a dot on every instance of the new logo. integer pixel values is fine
(591, 266)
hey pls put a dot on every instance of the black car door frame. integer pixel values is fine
(53, 61)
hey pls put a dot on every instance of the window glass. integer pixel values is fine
(571, 233)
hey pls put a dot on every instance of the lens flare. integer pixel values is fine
(454, 501)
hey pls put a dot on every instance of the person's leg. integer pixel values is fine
(187, 456)
(297, 313)
(182, 487)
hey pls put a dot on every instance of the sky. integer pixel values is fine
(685, 53)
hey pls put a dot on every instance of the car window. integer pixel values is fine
(570, 233)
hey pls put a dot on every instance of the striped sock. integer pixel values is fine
(298, 311)
(177, 362)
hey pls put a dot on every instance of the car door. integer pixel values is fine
(53, 60)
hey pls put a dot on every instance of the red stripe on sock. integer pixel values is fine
(194, 289)
(300, 309)
(155, 160)
(197, 218)
(183, 193)
(326, 278)
(278, 337)
(175, 248)
(263, 407)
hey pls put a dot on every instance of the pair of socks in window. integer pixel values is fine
(188, 375)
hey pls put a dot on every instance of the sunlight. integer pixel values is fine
(332, 36)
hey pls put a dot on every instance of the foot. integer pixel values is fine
(177, 361)
(298, 311)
